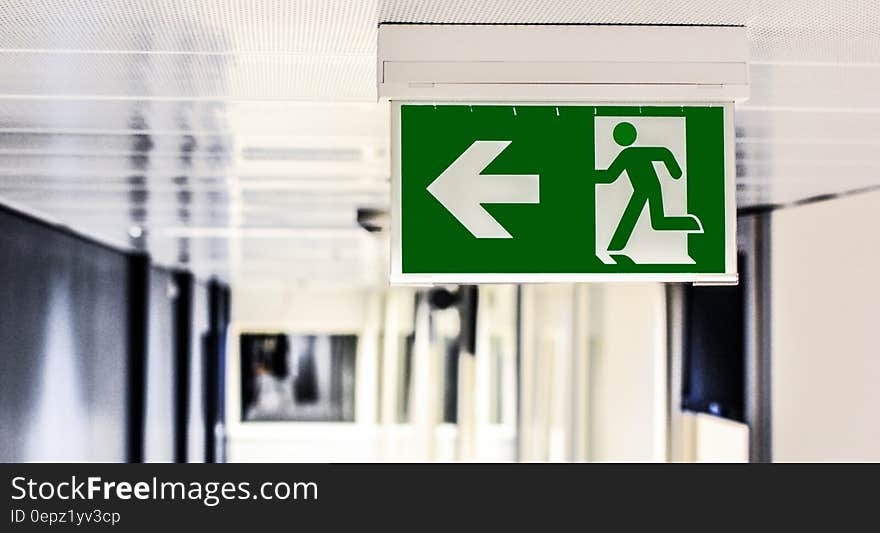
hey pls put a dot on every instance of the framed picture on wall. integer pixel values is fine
(297, 377)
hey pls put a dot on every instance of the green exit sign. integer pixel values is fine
(569, 192)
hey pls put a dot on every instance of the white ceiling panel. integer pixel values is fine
(187, 76)
(240, 138)
(316, 27)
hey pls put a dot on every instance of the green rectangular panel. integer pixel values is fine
(530, 192)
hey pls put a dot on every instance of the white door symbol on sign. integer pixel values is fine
(641, 191)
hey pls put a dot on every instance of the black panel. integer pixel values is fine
(196, 434)
(714, 379)
(214, 345)
(64, 354)
(183, 317)
(467, 307)
(452, 350)
(138, 317)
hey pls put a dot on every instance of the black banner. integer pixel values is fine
(251, 498)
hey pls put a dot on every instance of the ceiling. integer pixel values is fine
(239, 138)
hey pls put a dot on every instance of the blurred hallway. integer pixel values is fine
(196, 205)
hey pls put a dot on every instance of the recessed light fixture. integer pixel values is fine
(135, 232)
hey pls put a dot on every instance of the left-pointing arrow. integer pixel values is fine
(462, 189)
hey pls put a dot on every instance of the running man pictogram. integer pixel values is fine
(638, 163)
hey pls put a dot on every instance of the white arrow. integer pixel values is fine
(461, 188)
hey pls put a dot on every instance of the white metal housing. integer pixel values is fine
(562, 62)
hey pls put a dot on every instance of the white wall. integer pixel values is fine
(594, 373)
(825, 301)
(628, 374)
(328, 310)
(547, 374)
(717, 440)
(306, 311)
